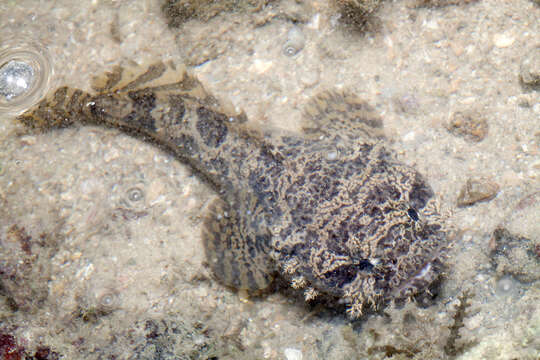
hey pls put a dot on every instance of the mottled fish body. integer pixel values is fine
(330, 209)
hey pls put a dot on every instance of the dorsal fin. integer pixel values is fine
(342, 113)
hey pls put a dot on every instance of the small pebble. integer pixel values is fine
(315, 22)
(292, 354)
(476, 190)
(260, 66)
(308, 76)
(474, 322)
(332, 155)
(523, 219)
(505, 285)
(503, 40)
(111, 154)
(410, 136)
(529, 72)
(155, 192)
(513, 255)
(469, 124)
(28, 140)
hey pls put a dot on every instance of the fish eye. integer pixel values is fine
(365, 265)
(413, 214)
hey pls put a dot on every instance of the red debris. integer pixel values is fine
(9, 350)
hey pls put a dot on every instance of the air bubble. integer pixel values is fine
(25, 74)
(295, 42)
(107, 302)
(135, 194)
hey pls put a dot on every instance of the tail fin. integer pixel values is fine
(58, 110)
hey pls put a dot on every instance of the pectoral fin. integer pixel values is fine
(235, 251)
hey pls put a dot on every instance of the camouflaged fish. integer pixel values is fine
(330, 210)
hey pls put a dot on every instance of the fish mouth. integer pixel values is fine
(420, 280)
(429, 263)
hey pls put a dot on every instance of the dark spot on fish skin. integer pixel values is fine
(177, 109)
(144, 99)
(413, 214)
(186, 144)
(211, 126)
(142, 120)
